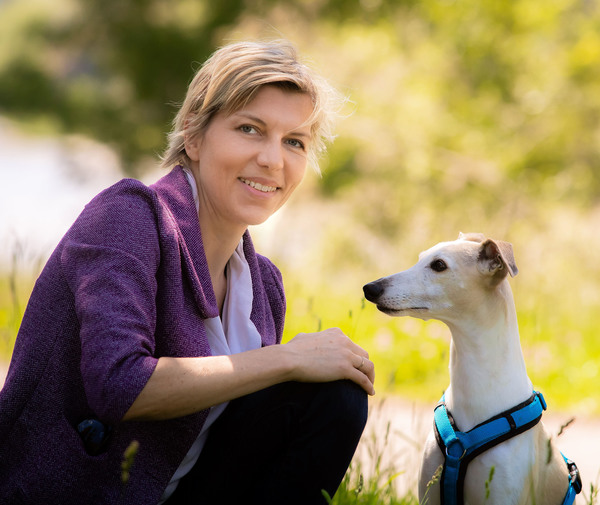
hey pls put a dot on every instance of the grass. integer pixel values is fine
(411, 358)
(372, 485)
(376, 484)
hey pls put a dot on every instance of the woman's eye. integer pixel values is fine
(296, 143)
(246, 128)
(438, 265)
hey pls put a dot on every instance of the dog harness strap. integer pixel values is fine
(575, 484)
(506, 425)
(452, 449)
(460, 448)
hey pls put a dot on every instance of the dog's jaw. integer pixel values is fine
(394, 301)
(400, 312)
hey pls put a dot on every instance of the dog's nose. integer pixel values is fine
(372, 290)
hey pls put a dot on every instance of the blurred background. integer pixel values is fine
(462, 116)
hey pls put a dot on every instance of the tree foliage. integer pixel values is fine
(110, 70)
(465, 115)
(488, 106)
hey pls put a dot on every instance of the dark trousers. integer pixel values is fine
(281, 445)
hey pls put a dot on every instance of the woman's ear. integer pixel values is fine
(191, 143)
(192, 147)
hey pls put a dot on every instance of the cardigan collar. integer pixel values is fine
(175, 194)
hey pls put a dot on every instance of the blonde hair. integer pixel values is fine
(231, 77)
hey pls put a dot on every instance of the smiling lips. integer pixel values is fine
(258, 186)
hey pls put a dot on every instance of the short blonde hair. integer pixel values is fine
(231, 77)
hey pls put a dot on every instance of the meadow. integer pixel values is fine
(461, 116)
(411, 359)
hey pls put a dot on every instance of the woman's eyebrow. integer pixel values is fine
(252, 117)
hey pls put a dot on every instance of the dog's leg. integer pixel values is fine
(430, 473)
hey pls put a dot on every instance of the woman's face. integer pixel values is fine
(247, 164)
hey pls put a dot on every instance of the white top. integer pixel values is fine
(233, 334)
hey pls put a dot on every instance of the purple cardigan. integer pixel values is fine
(126, 285)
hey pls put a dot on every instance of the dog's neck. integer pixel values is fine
(487, 368)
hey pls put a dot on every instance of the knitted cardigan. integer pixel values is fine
(127, 284)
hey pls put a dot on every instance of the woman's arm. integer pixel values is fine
(182, 386)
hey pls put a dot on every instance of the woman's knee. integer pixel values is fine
(345, 402)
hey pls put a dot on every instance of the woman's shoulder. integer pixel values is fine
(124, 190)
(131, 199)
(126, 203)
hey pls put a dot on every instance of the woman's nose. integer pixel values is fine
(271, 155)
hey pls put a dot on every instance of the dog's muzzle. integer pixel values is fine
(373, 291)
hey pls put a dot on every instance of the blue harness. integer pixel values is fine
(460, 448)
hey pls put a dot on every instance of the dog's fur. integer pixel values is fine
(472, 296)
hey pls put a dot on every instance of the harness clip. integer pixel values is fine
(450, 453)
(575, 476)
(542, 400)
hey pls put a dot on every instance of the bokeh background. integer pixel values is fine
(463, 115)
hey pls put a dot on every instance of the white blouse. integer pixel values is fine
(232, 334)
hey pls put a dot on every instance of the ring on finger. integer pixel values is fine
(359, 367)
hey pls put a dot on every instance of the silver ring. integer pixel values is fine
(361, 363)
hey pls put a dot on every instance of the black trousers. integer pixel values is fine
(282, 445)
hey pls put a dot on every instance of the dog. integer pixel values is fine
(464, 284)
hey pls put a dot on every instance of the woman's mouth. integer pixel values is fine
(258, 186)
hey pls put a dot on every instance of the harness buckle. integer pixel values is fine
(574, 476)
(451, 453)
(542, 400)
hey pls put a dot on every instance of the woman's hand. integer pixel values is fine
(182, 386)
(330, 355)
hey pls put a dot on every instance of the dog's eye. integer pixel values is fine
(438, 265)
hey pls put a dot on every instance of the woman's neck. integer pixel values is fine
(219, 239)
(218, 248)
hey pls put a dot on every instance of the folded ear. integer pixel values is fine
(471, 237)
(496, 259)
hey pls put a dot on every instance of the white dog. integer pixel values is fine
(464, 284)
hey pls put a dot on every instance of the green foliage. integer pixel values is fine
(488, 482)
(507, 87)
(128, 460)
(465, 116)
(108, 70)
(372, 484)
(411, 356)
(593, 497)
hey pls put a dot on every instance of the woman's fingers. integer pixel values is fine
(367, 368)
(330, 355)
(364, 365)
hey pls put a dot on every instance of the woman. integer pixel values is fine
(155, 321)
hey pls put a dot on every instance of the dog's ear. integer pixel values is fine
(496, 259)
(471, 237)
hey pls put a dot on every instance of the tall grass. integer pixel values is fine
(372, 480)
(372, 483)
(410, 357)
(16, 283)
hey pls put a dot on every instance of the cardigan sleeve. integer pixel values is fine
(110, 258)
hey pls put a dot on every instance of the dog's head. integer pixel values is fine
(449, 278)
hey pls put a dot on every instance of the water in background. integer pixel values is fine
(46, 181)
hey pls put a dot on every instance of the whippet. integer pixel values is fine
(464, 284)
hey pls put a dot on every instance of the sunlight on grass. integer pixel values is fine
(372, 483)
(411, 359)
(411, 356)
